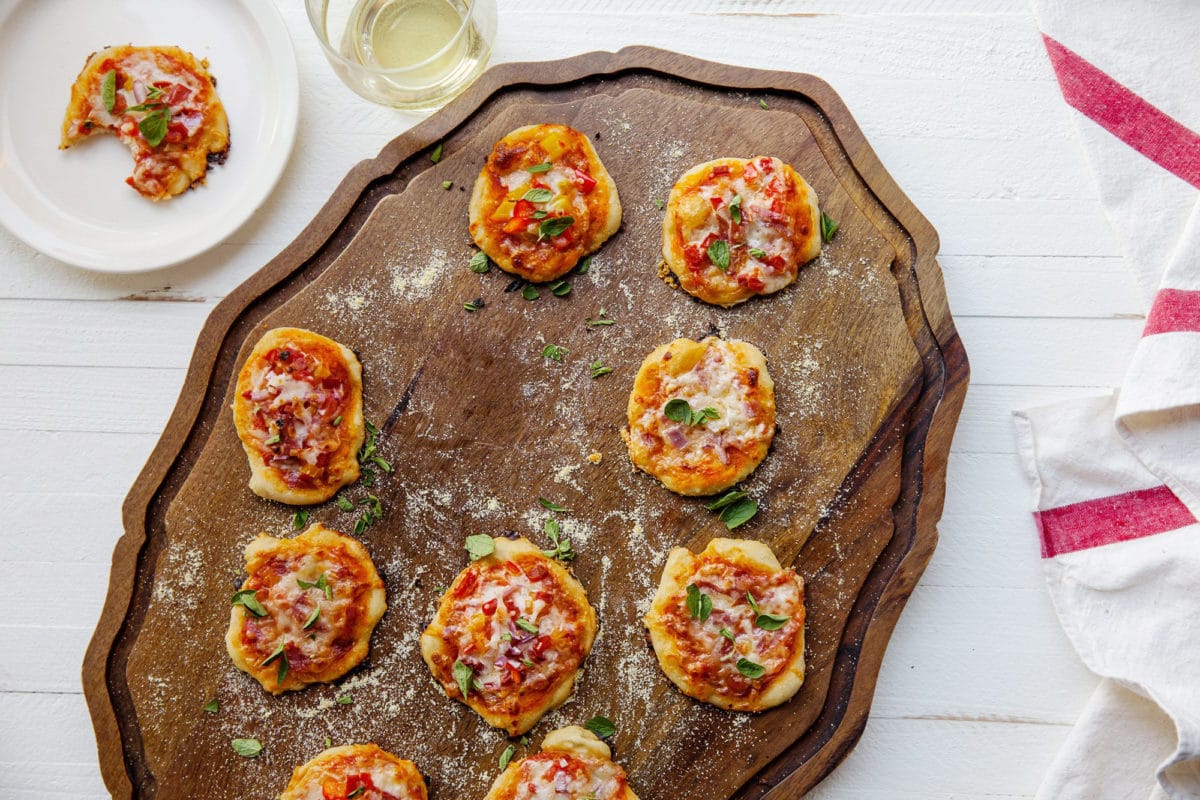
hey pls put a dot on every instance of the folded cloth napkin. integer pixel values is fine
(1117, 489)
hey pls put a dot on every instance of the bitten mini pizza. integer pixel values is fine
(162, 104)
(543, 201)
(573, 763)
(737, 227)
(701, 415)
(306, 609)
(728, 625)
(356, 772)
(298, 412)
(510, 635)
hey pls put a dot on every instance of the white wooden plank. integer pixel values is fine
(99, 334)
(80, 529)
(1016, 286)
(62, 465)
(39, 726)
(1048, 352)
(51, 780)
(120, 399)
(60, 651)
(986, 423)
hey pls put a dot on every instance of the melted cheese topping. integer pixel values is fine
(762, 213)
(515, 627)
(289, 606)
(711, 657)
(714, 382)
(364, 771)
(296, 396)
(557, 776)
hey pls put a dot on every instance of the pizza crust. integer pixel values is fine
(504, 181)
(680, 570)
(598, 776)
(342, 467)
(336, 773)
(197, 129)
(728, 376)
(518, 709)
(355, 602)
(778, 216)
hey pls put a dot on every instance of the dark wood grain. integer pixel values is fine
(870, 376)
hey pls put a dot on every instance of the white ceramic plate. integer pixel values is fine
(74, 204)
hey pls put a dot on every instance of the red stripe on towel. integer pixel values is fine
(1137, 123)
(1108, 520)
(1174, 310)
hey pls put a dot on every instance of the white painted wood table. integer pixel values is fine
(979, 687)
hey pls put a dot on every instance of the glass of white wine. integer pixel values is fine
(405, 53)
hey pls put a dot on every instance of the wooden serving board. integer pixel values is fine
(869, 373)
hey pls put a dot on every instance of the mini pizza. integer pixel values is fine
(737, 227)
(306, 609)
(162, 104)
(298, 412)
(573, 763)
(701, 415)
(543, 201)
(728, 625)
(356, 772)
(510, 635)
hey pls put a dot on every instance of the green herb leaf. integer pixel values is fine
(678, 410)
(659, 203)
(771, 622)
(540, 214)
(551, 506)
(447, 184)
(345, 700)
(248, 748)
(108, 90)
(753, 603)
(750, 669)
(470, 307)
(211, 707)
(480, 545)
(596, 323)
(300, 519)
(598, 369)
(247, 598)
(538, 195)
(762, 104)
(328, 742)
(273, 440)
(829, 227)
(699, 604)
(526, 625)
(732, 496)
(601, 726)
(718, 254)
(525, 741)
(536, 168)
(312, 618)
(360, 525)
(154, 126)
(728, 634)
(462, 676)
(756, 252)
(584, 265)
(436, 155)
(479, 262)
(336, 421)
(735, 208)
(283, 662)
(560, 288)
(357, 793)
(553, 226)
(530, 292)
(739, 512)
(344, 504)
(153, 92)
(507, 755)
(561, 547)
(554, 352)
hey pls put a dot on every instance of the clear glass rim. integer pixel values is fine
(318, 10)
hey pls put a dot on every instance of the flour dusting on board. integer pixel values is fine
(480, 425)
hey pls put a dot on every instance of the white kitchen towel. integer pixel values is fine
(1115, 485)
